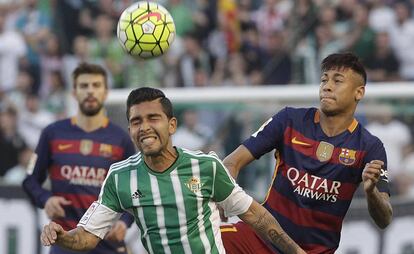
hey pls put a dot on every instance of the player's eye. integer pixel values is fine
(83, 85)
(97, 84)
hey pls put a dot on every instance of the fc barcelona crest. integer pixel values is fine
(347, 156)
(105, 150)
(86, 146)
(194, 184)
(324, 151)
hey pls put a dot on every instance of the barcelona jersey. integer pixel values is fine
(77, 163)
(316, 175)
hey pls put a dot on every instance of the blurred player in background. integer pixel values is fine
(171, 192)
(322, 156)
(76, 154)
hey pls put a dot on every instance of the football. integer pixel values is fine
(145, 29)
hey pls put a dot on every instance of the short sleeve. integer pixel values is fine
(266, 138)
(229, 195)
(102, 214)
(108, 195)
(99, 219)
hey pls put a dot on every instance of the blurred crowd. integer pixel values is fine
(218, 43)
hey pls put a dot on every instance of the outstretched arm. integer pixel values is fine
(379, 205)
(239, 158)
(268, 228)
(76, 239)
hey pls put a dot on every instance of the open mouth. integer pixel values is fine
(148, 140)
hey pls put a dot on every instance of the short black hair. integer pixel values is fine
(88, 68)
(344, 60)
(143, 94)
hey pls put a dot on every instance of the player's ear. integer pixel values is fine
(359, 93)
(172, 125)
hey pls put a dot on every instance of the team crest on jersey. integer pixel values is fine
(194, 184)
(105, 150)
(86, 146)
(324, 151)
(347, 156)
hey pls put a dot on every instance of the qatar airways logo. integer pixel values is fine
(83, 175)
(314, 187)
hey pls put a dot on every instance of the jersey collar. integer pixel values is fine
(105, 122)
(351, 127)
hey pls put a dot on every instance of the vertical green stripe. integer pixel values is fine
(182, 216)
(133, 182)
(169, 207)
(124, 191)
(207, 168)
(160, 215)
(149, 213)
(190, 201)
(195, 167)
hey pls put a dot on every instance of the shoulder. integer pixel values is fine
(199, 155)
(58, 125)
(295, 114)
(368, 138)
(125, 165)
(116, 128)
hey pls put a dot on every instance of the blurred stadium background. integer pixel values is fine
(233, 64)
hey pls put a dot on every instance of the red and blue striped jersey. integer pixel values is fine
(316, 175)
(77, 163)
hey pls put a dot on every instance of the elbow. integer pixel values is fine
(383, 224)
(386, 221)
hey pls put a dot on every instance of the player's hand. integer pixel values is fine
(371, 175)
(117, 232)
(51, 233)
(53, 207)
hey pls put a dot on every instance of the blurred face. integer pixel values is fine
(340, 90)
(401, 12)
(90, 91)
(150, 128)
(382, 40)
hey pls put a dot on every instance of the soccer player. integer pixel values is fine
(76, 154)
(172, 192)
(322, 155)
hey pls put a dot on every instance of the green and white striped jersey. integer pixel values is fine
(175, 210)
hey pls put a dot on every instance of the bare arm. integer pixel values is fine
(379, 205)
(268, 228)
(239, 158)
(379, 208)
(76, 239)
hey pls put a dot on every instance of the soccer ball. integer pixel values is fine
(145, 29)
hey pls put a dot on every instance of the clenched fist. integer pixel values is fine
(50, 233)
(371, 175)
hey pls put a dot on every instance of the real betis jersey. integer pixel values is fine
(175, 210)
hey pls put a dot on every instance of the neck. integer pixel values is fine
(160, 163)
(90, 123)
(334, 125)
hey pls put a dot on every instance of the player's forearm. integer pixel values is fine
(77, 239)
(379, 208)
(35, 191)
(269, 229)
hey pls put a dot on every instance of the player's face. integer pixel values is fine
(150, 128)
(340, 90)
(90, 92)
